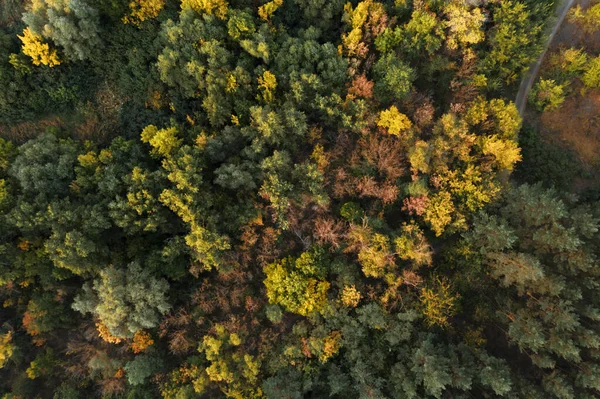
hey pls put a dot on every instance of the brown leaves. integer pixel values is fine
(415, 205)
(328, 231)
(375, 164)
(142, 340)
(361, 87)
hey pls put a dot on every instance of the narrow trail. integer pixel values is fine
(527, 82)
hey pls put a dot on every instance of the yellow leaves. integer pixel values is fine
(40, 52)
(464, 25)
(439, 212)
(235, 339)
(205, 245)
(105, 334)
(155, 100)
(120, 373)
(495, 115)
(36, 6)
(219, 371)
(438, 303)
(316, 297)
(88, 160)
(357, 18)
(350, 296)
(413, 246)
(296, 284)
(320, 158)
(268, 9)
(229, 364)
(141, 10)
(218, 8)
(232, 83)
(394, 121)
(212, 346)
(24, 245)
(474, 337)
(331, 346)
(6, 348)
(588, 20)
(419, 156)
(506, 152)
(164, 141)
(251, 369)
(141, 341)
(267, 83)
(471, 186)
(376, 256)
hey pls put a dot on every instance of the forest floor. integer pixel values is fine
(575, 125)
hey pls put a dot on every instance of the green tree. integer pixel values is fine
(547, 95)
(141, 367)
(393, 78)
(588, 19)
(7, 348)
(298, 284)
(125, 301)
(424, 32)
(514, 41)
(536, 249)
(44, 166)
(591, 76)
(71, 24)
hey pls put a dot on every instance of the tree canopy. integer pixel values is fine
(288, 199)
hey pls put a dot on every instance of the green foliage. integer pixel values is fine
(305, 208)
(65, 391)
(540, 261)
(423, 32)
(139, 369)
(591, 76)
(393, 78)
(71, 24)
(298, 284)
(126, 301)
(589, 20)
(547, 95)
(42, 365)
(7, 348)
(44, 314)
(44, 166)
(274, 313)
(352, 212)
(514, 42)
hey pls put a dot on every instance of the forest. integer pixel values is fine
(293, 199)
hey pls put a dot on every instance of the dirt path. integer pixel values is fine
(527, 82)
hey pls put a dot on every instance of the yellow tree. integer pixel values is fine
(141, 10)
(218, 8)
(40, 52)
(394, 121)
(6, 348)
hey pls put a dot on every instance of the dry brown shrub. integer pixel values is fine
(23, 131)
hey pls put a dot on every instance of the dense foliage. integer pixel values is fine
(287, 199)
